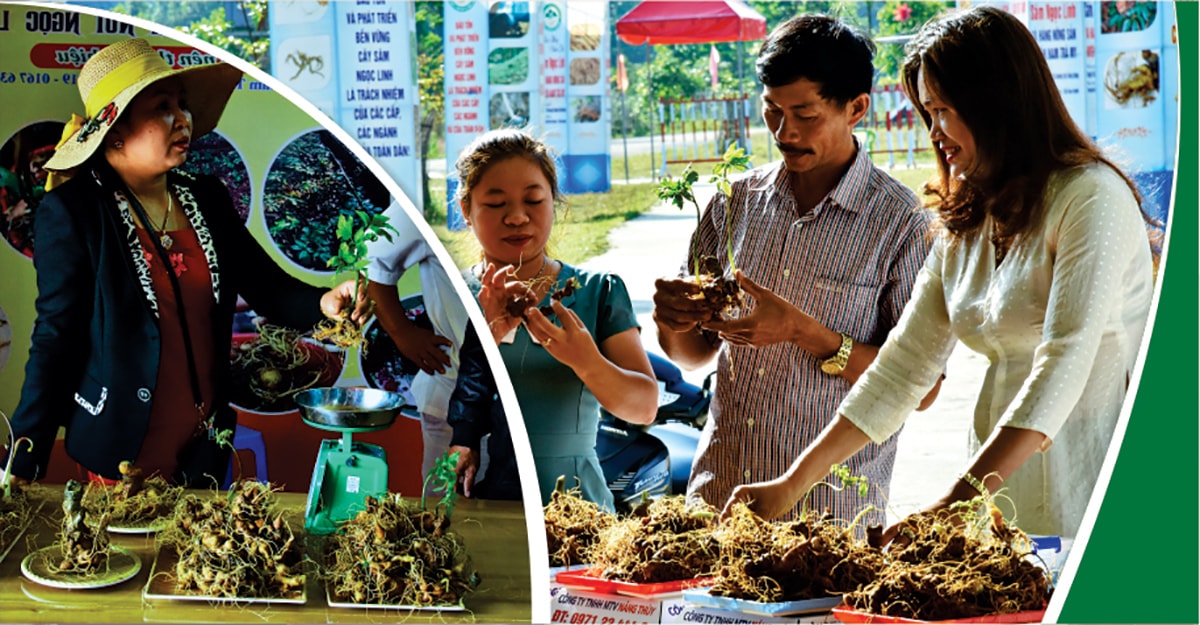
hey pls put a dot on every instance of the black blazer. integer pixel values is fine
(94, 356)
(475, 411)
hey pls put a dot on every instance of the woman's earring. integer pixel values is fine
(118, 144)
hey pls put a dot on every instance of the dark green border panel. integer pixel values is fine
(1141, 563)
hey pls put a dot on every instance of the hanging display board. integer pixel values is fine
(354, 62)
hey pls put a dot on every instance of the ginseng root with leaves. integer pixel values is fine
(396, 553)
(572, 525)
(667, 539)
(353, 233)
(84, 545)
(718, 288)
(235, 545)
(134, 501)
(940, 569)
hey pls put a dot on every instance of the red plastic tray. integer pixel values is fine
(850, 615)
(581, 580)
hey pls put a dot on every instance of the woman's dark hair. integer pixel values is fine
(820, 49)
(986, 65)
(501, 145)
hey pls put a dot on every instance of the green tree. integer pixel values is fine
(208, 22)
(897, 20)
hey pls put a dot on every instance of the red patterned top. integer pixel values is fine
(173, 415)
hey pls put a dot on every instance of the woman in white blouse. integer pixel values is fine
(1042, 263)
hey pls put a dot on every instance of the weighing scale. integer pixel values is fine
(347, 472)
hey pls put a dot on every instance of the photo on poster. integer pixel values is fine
(1131, 79)
(586, 36)
(304, 62)
(311, 182)
(509, 110)
(23, 181)
(270, 364)
(1126, 17)
(586, 109)
(214, 155)
(585, 71)
(508, 66)
(508, 20)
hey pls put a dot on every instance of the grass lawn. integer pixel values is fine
(640, 164)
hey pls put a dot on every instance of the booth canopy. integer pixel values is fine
(665, 22)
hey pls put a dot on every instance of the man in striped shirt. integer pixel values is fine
(828, 247)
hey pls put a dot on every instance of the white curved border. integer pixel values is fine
(539, 579)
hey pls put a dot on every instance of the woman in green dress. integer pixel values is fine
(565, 361)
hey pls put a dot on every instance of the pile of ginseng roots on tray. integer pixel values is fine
(938, 568)
(395, 552)
(239, 545)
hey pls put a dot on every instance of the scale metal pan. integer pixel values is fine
(344, 409)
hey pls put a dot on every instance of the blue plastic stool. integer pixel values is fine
(245, 438)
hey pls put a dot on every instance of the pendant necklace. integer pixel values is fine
(163, 237)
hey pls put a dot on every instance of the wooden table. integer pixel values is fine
(494, 532)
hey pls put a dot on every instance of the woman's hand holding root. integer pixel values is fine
(497, 291)
(570, 344)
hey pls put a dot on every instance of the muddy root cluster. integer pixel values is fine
(572, 525)
(664, 540)
(793, 560)
(938, 570)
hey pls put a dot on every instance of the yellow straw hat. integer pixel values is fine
(116, 74)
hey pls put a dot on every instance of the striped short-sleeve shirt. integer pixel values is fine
(850, 263)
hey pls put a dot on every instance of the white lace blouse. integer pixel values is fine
(1060, 320)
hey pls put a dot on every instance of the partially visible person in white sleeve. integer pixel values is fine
(434, 351)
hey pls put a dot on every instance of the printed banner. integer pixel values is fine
(378, 97)
(589, 122)
(1058, 28)
(553, 46)
(354, 62)
(1129, 65)
(302, 51)
(512, 66)
(466, 102)
(1089, 66)
(1131, 106)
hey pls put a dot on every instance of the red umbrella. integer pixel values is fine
(698, 21)
(673, 22)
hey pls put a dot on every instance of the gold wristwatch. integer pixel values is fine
(837, 362)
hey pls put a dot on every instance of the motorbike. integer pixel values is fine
(650, 461)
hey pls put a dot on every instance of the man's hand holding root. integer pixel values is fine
(773, 319)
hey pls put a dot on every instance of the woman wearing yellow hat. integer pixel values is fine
(138, 270)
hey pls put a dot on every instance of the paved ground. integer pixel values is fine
(933, 444)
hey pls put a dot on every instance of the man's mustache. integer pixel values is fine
(790, 150)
